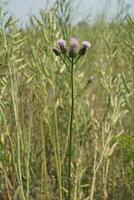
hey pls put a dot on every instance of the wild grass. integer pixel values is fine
(35, 105)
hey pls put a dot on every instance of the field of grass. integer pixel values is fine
(35, 98)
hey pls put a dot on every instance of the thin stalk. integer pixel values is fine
(14, 99)
(77, 59)
(68, 58)
(70, 130)
(28, 161)
(65, 64)
(59, 174)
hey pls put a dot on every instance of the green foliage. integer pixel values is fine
(127, 143)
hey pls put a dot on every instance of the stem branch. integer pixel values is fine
(70, 131)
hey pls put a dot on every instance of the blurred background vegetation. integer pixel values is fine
(34, 107)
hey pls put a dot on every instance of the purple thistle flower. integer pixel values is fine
(73, 43)
(73, 47)
(61, 43)
(86, 44)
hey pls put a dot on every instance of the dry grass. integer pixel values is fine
(34, 110)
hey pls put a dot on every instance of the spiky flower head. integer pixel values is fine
(85, 46)
(73, 43)
(62, 44)
(73, 47)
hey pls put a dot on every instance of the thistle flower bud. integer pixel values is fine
(73, 47)
(85, 46)
(56, 51)
(82, 51)
(62, 45)
(90, 80)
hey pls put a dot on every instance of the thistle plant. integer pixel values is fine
(70, 56)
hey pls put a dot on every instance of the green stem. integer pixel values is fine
(70, 131)
(65, 64)
(77, 59)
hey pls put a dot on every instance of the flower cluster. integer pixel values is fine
(72, 51)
